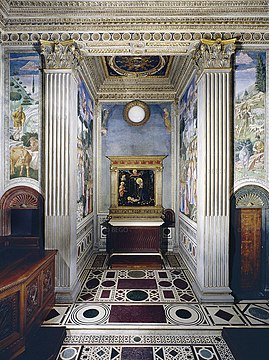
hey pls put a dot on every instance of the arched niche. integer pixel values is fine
(249, 245)
(22, 218)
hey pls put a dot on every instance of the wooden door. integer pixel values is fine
(250, 249)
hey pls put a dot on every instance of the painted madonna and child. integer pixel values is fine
(136, 188)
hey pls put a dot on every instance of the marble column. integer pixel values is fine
(60, 162)
(213, 60)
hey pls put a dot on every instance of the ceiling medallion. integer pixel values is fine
(138, 65)
(136, 113)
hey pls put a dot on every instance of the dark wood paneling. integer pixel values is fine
(26, 295)
(250, 249)
(134, 239)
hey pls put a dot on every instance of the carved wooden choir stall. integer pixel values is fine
(27, 271)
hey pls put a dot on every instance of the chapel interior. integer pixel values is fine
(134, 182)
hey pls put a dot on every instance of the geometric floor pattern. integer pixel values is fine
(169, 347)
(147, 314)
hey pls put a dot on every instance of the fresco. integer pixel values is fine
(249, 118)
(119, 138)
(188, 151)
(24, 114)
(84, 153)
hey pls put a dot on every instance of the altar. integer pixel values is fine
(136, 211)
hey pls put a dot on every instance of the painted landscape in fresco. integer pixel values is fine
(188, 151)
(249, 123)
(24, 114)
(84, 153)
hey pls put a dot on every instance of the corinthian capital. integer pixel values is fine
(214, 54)
(60, 54)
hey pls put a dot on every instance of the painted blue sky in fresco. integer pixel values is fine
(245, 74)
(22, 64)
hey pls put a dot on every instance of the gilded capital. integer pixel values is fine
(60, 54)
(214, 54)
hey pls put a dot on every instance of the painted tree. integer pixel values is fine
(260, 75)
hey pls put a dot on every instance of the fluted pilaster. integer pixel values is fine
(60, 134)
(214, 174)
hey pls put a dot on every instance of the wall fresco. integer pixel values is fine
(119, 138)
(24, 114)
(84, 153)
(249, 118)
(188, 151)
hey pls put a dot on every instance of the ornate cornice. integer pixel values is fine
(126, 88)
(135, 16)
(214, 54)
(60, 55)
(92, 73)
(122, 43)
(182, 73)
(138, 94)
(137, 23)
(4, 7)
(176, 6)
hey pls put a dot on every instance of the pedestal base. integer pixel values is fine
(213, 295)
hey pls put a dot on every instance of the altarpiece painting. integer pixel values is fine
(136, 187)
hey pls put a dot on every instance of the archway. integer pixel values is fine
(249, 246)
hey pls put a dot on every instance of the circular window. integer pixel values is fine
(136, 113)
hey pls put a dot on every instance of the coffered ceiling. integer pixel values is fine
(134, 48)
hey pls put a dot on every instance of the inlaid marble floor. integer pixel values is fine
(147, 314)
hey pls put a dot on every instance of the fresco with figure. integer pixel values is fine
(120, 138)
(188, 151)
(249, 119)
(84, 153)
(24, 114)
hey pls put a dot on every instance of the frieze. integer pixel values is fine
(96, 43)
(106, 24)
(135, 95)
(4, 6)
(179, 7)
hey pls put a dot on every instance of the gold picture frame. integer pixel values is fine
(136, 188)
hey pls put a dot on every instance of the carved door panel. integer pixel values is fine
(250, 249)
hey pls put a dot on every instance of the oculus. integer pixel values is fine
(136, 113)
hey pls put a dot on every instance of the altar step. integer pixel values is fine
(247, 343)
(136, 261)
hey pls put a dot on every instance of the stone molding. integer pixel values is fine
(60, 55)
(214, 54)
(128, 42)
(101, 9)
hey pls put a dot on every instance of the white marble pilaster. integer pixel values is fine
(60, 169)
(214, 173)
(60, 162)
